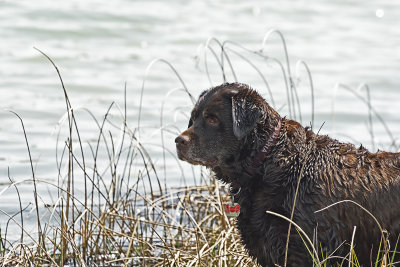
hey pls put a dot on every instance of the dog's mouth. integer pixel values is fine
(210, 163)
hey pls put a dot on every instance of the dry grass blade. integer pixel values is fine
(41, 239)
(383, 237)
(301, 231)
(351, 247)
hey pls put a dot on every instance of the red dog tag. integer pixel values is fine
(232, 209)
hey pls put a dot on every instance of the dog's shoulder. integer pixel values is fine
(294, 129)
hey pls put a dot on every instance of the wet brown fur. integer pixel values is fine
(332, 171)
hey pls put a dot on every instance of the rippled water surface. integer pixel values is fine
(99, 46)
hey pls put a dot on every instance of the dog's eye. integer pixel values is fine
(190, 123)
(211, 119)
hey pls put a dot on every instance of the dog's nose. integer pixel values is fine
(182, 140)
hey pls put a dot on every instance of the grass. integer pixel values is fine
(123, 214)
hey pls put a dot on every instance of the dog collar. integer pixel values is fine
(264, 151)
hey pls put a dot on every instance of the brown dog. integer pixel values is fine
(233, 131)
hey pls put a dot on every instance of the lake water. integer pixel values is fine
(99, 46)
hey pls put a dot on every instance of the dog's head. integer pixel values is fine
(221, 120)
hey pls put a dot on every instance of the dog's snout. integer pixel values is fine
(182, 140)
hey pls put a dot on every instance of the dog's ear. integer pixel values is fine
(245, 114)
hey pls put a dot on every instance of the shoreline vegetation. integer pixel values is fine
(124, 214)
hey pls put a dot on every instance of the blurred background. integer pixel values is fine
(102, 47)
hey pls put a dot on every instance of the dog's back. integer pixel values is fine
(343, 172)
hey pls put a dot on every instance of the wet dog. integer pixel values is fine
(233, 131)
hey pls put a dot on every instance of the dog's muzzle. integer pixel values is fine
(182, 145)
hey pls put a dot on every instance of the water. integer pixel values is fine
(99, 46)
